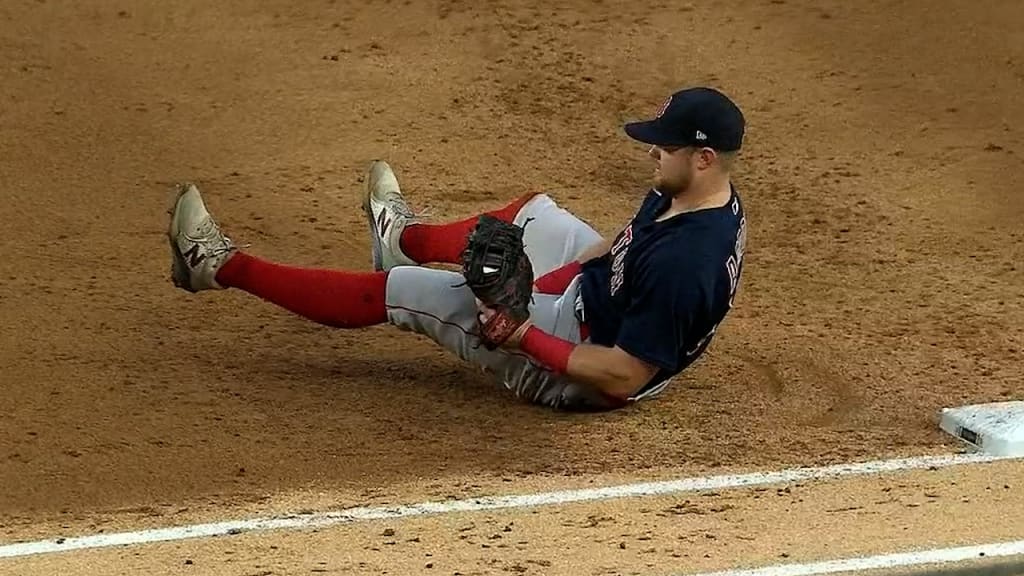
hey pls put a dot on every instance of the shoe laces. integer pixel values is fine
(212, 239)
(398, 204)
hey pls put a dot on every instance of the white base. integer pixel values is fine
(996, 428)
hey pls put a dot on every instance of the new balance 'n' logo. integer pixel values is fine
(193, 256)
(383, 222)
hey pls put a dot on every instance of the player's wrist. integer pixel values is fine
(515, 340)
(549, 350)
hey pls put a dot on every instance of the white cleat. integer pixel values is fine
(198, 247)
(388, 215)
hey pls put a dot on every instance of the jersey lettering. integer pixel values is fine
(735, 262)
(733, 266)
(619, 250)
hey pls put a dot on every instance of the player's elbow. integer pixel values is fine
(630, 375)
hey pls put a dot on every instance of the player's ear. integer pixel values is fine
(706, 158)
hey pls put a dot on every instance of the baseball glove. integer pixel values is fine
(499, 273)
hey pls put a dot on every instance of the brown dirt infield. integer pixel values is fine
(881, 179)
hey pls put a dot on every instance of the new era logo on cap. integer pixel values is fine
(701, 135)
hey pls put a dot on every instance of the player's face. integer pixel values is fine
(675, 169)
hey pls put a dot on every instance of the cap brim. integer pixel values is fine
(649, 132)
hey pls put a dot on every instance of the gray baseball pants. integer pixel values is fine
(432, 302)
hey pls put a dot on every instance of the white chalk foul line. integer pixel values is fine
(888, 561)
(52, 545)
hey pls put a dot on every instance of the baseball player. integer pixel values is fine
(609, 321)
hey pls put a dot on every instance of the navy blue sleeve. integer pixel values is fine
(661, 312)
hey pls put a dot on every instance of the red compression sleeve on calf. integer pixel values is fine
(556, 281)
(427, 243)
(330, 297)
(549, 350)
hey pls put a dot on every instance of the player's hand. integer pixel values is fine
(485, 313)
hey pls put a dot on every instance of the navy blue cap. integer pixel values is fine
(694, 117)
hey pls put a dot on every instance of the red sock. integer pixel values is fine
(556, 281)
(427, 243)
(330, 297)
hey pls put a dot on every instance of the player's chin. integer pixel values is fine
(665, 186)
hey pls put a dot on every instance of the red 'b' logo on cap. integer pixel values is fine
(664, 107)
